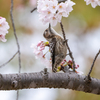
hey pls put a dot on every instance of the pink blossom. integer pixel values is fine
(70, 63)
(63, 62)
(38, 51)
(41, 45)
(76, 66)
(2, 38)
(3, 29)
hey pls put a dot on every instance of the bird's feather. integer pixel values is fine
(52, 50)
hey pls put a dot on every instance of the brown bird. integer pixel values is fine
(57, 46)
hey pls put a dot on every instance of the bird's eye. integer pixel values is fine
(46, 30)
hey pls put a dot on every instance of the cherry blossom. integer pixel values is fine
(3, 29)
(61, 7)
(70, 63)
(51, 11)
(98, 2)
(38, 51)
(2, 38)
(54, 20)
(93, 3)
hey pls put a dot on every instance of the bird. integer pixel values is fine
(57, 47)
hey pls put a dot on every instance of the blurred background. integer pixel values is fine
(82, 31)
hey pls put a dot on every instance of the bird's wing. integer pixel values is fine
(52, 50)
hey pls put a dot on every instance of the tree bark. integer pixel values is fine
(69, 80)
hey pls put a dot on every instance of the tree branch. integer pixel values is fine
(44, 79)
(93, 65)
(34, 9)
(9, 60)
(12, 20)
(19, 58)
(70, 53)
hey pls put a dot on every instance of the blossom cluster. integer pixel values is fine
(93, 3)
(51, 11)
(70, 64)
(38, 51)
(3, 29)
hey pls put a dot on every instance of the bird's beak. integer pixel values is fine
(50, 27)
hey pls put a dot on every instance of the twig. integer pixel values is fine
(17, 94)
(9, 60)
(70, 53)
(93, 64)
(33, 9)
(59, 1)
(19, 58)
(63, 31)
(15, 34)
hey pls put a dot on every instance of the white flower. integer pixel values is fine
(65, 8)
(98, 2)
(40, 5)
(3, 29)
(44, 19)
(53, 20)
(60, 14)
(69, 5)
(61, 7)
(93, 3)
(53, 6)
(52, 12)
